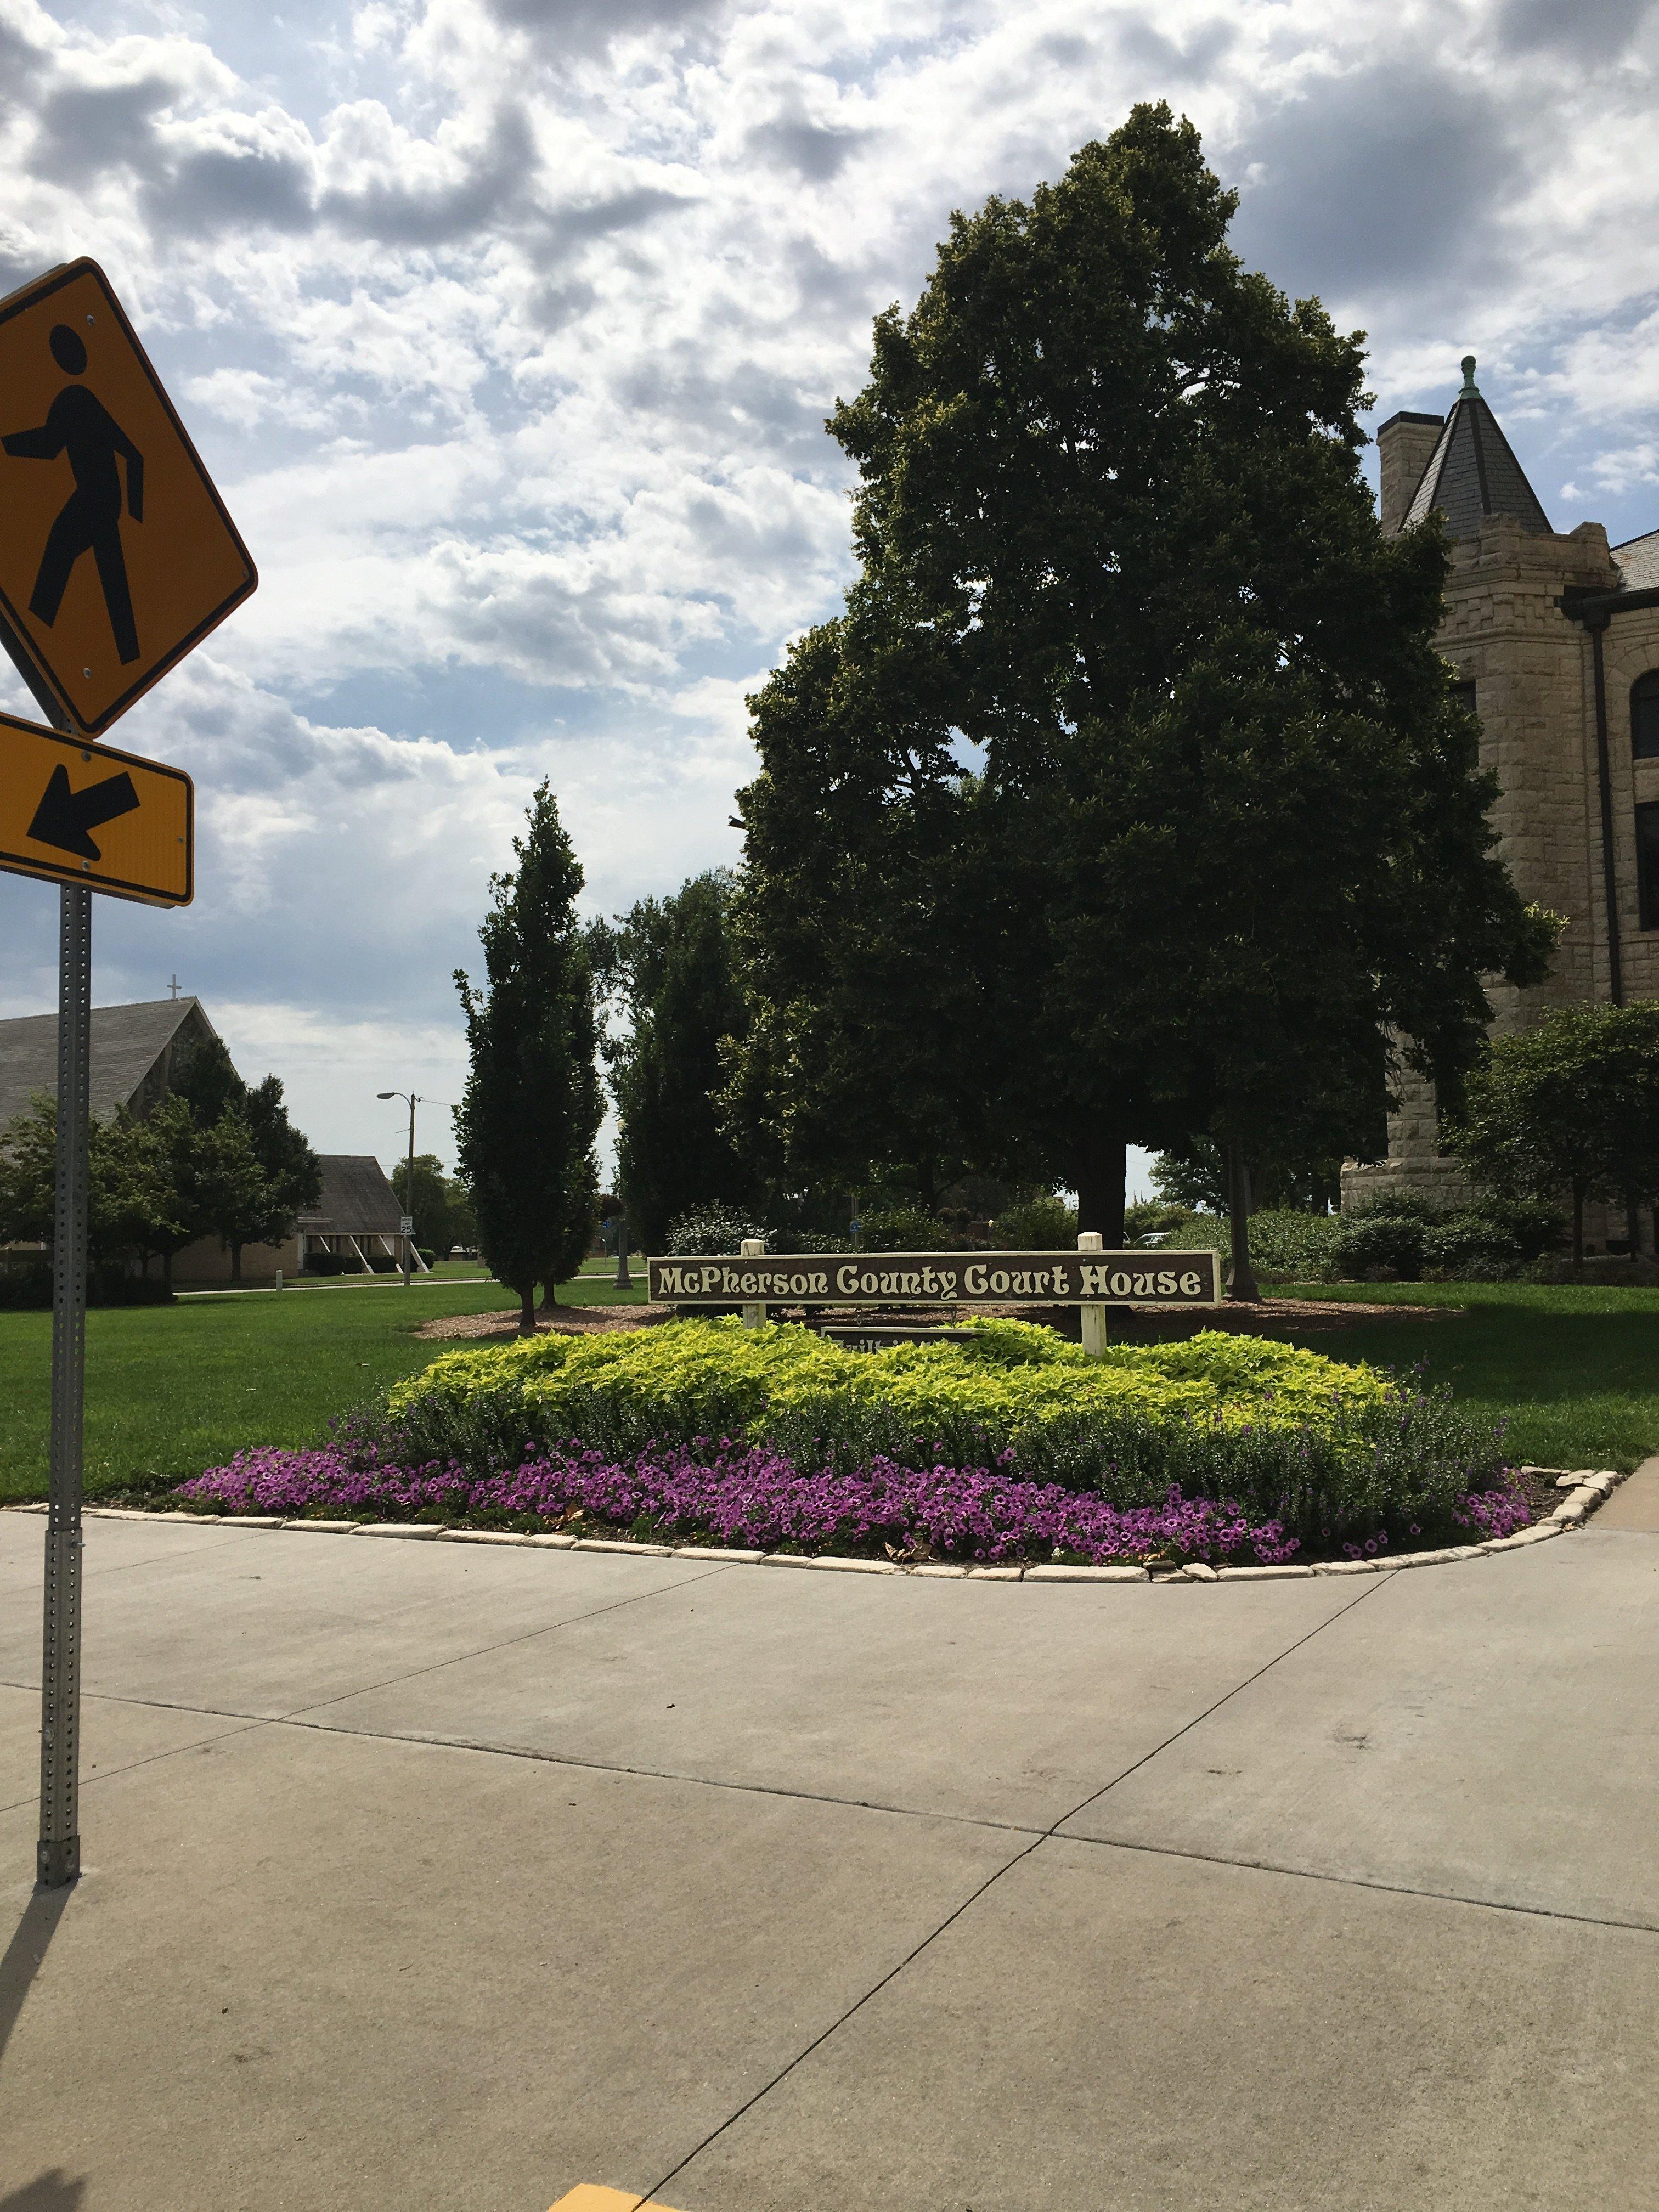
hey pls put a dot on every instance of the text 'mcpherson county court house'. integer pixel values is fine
(1556, 639)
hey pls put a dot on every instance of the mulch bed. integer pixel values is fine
(1132, 1324)
(556, 1320)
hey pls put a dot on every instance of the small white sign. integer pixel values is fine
(407, 1225)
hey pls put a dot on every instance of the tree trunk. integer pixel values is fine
(550, 1296)
(235, 1263)
(1100, 1186)
(1577, 1221)
(1243, 1285)
(527, 1310)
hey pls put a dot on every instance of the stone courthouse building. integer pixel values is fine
(1555, 637)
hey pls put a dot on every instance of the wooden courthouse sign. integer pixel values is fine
(942, 1278)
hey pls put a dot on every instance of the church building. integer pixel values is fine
(141, 1053)
(1555, 637)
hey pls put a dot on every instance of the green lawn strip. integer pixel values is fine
(172, 1389)
(1575, 1369)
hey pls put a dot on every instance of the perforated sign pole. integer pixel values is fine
(59, 1856)
(109, 577)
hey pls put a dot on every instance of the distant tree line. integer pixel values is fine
(439, 1202)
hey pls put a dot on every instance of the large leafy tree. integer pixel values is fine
(212, 1158)
(253, 1179)
(879, 923)
(1567, 1111)
(532, 1109)
(667, 964)
(135, 1205)
(235, 1199)
(439, 1202)
(1224, 833)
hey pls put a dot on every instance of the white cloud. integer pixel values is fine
(509, 327)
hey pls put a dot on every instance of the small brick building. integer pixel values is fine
(1556, 638)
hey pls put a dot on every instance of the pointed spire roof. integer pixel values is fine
(1472, 474)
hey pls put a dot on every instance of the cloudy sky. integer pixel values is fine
(508, 328)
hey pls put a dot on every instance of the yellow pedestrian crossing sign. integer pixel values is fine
(117, 555)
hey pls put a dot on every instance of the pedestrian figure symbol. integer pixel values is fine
(78, 423)
(117, 556)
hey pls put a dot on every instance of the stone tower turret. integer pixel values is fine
(1556, 639)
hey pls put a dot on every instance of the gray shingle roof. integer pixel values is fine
(1638, 562)
(1472, 473)
(356, 1199)
(128, 1043)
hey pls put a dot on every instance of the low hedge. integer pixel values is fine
(1283, 1242)
(1333, 1454)
(1002, 1391)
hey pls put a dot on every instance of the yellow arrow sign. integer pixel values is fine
(79, 814)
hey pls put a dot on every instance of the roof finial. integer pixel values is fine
(1468, 375)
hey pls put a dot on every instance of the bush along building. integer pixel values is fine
(1555, 638)
(142, 1055)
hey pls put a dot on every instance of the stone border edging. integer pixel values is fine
(1585, 1488)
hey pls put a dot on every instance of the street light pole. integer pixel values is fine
(408, 1182)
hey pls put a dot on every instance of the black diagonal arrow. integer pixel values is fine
(64, 816)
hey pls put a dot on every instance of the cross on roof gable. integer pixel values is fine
(132, 1054)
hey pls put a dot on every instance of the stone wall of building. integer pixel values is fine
(1532, 667)
(1404, 446)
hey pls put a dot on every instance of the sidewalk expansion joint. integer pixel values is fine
(1374, 1882)
(1048, 1835)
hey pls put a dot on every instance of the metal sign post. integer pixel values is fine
(57, 1858)
(104, 587)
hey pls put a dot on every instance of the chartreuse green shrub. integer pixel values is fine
(1331, 1452)
(714, 1377)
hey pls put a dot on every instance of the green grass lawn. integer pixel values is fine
(1575, 1370)
(442, 1271)
(172, 1390)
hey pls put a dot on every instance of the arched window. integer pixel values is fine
(1644, 716)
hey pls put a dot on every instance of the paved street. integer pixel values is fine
(447, 1877)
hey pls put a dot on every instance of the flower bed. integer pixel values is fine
(1017, 1446)
(758, 1499)
(755, 1498)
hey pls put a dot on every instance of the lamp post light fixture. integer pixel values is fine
(414, 1099)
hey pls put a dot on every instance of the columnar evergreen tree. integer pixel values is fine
(668, 964)
(1224, 833)
(532, 1109)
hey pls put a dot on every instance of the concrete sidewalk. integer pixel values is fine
(452, 1876)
